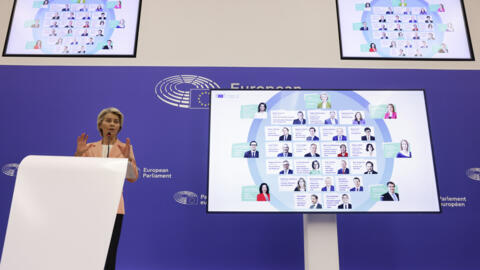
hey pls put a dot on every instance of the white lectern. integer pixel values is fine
(320, 241)
(62, 214)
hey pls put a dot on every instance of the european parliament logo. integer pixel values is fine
(186, 198)
(186, 91)
(10, 169)
(474, 173)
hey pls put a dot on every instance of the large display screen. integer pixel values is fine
(320, 151)
(400, 29)
(73, 28)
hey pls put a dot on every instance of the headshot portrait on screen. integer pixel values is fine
(373, 47)
(364, 26)
(38, 45)
(339, 136)
(66, 8)
(332, 120)
(358, 120)
(368, 136)
(345, 202)
(36, 24)
(263, 193)
(285, 136)
(390, 114)
(261, 110)
(69, 25)
(285, 152)
(404, 150)
(382, 19)
(343, 151)
(300, 119)
(108, 46)
(252, 153)
(313, 151)
(357, 186)
(102, 16)
(383, 28)
(391, 195)
(343, 169)
(450, 28)
(441, 8)
(328, 185)
(118, 5)
(301, 185)
(324, 103)
(389, 11)
(370, 169)
(443, 48)
(315, 203)
(369, 149)
(402, 3)
(286, 168)
(82, 50)
(315, 168)
(312, 136)
(109, 124)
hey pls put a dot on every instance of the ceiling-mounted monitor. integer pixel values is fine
(73, 28)
(403, 29)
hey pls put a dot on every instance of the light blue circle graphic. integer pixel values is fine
(295, 101)
(387, 51)
(56, 43)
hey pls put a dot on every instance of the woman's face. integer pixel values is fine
(316, 165)
(343, 149)
(390, 108)
(264, 188)
(358, 116)
(324, 97)
(404, 145)
(370, 148)
(302, 183)
(110, 124)
(262, 107)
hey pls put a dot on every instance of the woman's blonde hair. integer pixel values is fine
(104, 112)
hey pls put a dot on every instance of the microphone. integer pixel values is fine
(109, 135)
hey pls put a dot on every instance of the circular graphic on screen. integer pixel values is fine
(334, 133)
(75, 27)
(410, 28)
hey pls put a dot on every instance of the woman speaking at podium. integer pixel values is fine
(109, 124)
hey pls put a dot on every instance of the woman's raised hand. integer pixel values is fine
(82, 146)
(126, 149)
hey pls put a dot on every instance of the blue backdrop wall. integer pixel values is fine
(44, 109)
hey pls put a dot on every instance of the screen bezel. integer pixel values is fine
(467, 30)
(134, 55)
(325, 212)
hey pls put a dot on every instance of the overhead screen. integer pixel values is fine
(320, 151)
(400, 29)
(73, 28)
